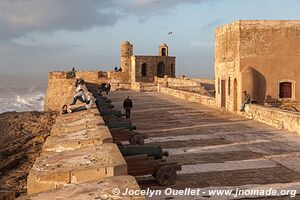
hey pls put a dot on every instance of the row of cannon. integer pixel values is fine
(142, 159)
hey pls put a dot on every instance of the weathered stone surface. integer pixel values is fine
(189, 96)
(76, 166)
(278, 118)
(59, 89)
(78, 125)
(78, 139)
(7, 195)
(101, 189)
(250, 55)
(194, 134)
(78, 120)
(81, 114)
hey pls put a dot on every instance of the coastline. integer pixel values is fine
(22, 135)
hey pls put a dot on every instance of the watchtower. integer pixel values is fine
(126, 53)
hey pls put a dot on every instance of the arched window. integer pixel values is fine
(285, 90)
(144, 69)
(163, 51)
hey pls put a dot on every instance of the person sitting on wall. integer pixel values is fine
(127, 105)
(120, 69)
(78, 94)
(116, 69)
(90, 101)
(246, 100)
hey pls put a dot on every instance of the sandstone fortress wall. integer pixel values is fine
(257, 56)
(79, 156)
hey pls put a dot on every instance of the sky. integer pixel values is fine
(38, 36)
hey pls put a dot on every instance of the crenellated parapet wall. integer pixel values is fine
(62, 83)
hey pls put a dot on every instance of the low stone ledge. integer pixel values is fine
(74, 121)
(66, 118)
(101, 189)
(78, 139)
(189, 96)
(77, 125)
(282, 119)
(76, 166)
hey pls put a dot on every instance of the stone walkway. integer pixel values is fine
(216, 149)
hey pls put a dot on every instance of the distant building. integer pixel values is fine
(143, 68)
(260, 57)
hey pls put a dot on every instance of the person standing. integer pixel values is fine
(127, 105)
(107, 88)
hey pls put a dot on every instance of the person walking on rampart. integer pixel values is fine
(246, 100)
(108, 86)
(127, 105)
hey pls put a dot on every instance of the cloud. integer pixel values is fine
(19, 17)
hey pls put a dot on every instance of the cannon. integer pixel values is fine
(152, 150)
(134, 137)
(103, 105)
(107, 111)
(120, 124)
(147, 159)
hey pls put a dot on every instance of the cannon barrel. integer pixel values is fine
(113, 112)
(120, 124)
(104, 105)
(151, 150)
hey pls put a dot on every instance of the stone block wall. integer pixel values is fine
(60, 86)
(256, 56)
(227, 66)
(189, 96)
(79, 155)
(152, 64)
(278, 118)
(91, 76)
(272, 49)
(183, 84)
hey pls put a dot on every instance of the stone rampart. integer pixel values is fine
(60, 85)
(79, 155)
(189, 96)
(276, 117)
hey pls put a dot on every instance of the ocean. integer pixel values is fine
(22, 92)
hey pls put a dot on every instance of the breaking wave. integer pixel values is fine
(15, 100)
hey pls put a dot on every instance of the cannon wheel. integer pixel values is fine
(166, 175)
(137, 139)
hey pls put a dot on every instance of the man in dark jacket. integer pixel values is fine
(127, 105)
(107, 88)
